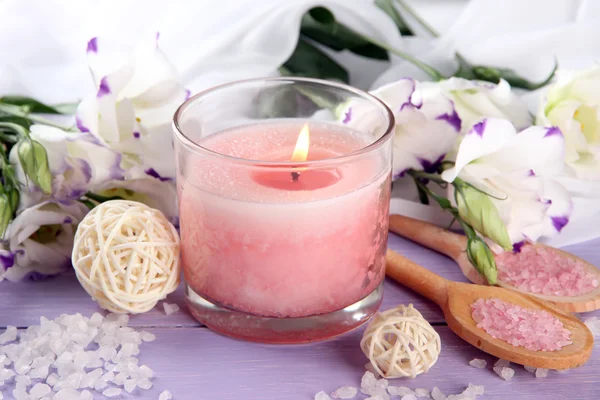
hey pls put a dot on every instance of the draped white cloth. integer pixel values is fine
(43, 43)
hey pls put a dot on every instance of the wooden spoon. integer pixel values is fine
(455, 300)
(453, 245)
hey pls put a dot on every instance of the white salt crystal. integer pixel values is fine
(421, 392)
(144, 384)
(146, 372)
(409, 397)
(164, 395)
(106, 352)
(120, 378)
(40, 390)
(100, 384)
(502, 363)
(96, 319)
(23, 380)
(344, 392)
(130, 385)
(52, 379)
(321, 395)
(66, 394)
(6, 374)
(39, 373)
(478, 363)
(9, 335)
(376, 397)
(529, 369)
(109, 376)
(505, 372)
(170, 308)
(399, 390)
(86, 395)
(473, 390)
(369, 367)
(436, 394)
(541, 373)
(147, 336)
(111, 392)
(22, 366)
(1, 396)
(20, 394)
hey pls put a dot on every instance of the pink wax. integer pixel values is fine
(254, 240)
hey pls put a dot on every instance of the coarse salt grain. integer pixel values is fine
(9, 335)
(345, 392)
(409, 397)
(538, 269)
(399, 390)
(541, 373)
(437, 394)
(505, 373)
(420, 392)
(165, 395)
(112, 392)
(478, 363)
(322, 396)
(533, 329)
(170, 308)
(529, 369)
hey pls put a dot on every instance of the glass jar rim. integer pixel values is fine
(201, 150)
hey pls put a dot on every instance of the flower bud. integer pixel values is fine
(477, 209)
(13, 199)
(34, 161)
(482, 258)
(6, 213)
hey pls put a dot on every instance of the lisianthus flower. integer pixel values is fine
(573, 104)
(516, 170)
(132, 109)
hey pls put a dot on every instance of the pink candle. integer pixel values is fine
(283, 204)
(262, 243)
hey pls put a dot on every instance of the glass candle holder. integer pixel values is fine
(283, 188)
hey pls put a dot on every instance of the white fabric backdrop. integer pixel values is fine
(42, 48)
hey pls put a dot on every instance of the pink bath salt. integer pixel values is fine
(542, 270)
(532, 329)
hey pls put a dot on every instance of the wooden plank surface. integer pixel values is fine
(195, 363)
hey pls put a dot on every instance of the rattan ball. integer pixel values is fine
(401, 343)
(126, 256)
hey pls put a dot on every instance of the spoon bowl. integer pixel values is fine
(455, 300)
(453, 245)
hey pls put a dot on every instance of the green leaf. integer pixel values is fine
(319, 25)
(24, 122)
(34, 161)
(32, 105)
(482, 258)
(477, 209)
(465, 70)
(307, 60)
(388, 7)
(6, 213)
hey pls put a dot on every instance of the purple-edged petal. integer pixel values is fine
(452, 118)
(152, 172)
(92, 46)
(347, 116)
(136, 135)
(431, 166)
(7, 259)
(530, 173)
(560, 222)
(188, 93)
(518, 246)
(479, 128)
(67, 220)
(553, 131)
(81, 126)
(104, 89)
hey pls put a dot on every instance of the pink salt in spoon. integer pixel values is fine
(453, 245)
(456, 300)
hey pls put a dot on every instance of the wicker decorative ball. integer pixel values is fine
(126, 256)
(401, 343)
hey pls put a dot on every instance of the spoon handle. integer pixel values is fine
(429, 235)
(417, 278)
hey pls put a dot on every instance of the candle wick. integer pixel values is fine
(295, 176)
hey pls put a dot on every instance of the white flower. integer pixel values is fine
(133, 108)
(515, 169)
(425, 129)
(40, 240)
(476, 100)
(573, 104)
(161, 195)
(77, 162)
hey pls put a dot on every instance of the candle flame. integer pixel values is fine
(301, 150)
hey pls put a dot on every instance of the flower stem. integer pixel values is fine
(424, 175)
(17, 112)
(418, 18)
(432, 72)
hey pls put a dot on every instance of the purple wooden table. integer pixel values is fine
(195, 363)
